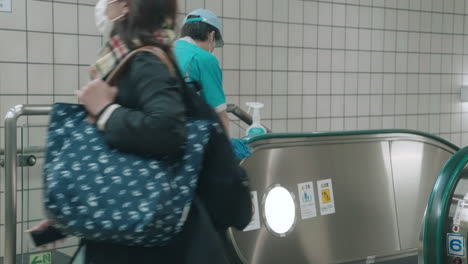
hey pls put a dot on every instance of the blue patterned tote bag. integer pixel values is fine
(96, 192)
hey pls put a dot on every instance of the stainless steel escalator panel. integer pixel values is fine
(412, 174)
(373, 215)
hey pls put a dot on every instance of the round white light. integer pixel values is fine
(280, 211)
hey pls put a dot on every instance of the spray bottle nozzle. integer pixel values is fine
(254, 105)
(256, 110)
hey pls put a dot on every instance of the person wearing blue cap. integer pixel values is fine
(201, 33)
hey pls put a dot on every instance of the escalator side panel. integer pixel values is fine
(415, 168)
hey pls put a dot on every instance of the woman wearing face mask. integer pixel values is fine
(201, 33)
(145, 115)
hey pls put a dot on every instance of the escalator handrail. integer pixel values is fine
(352, 133)
(434, 221)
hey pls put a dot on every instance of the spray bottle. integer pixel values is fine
(256, 128)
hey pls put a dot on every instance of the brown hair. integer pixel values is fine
(143, 19)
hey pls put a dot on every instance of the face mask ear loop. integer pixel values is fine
(117, 18)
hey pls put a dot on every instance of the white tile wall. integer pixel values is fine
(264, 58)
(39, 14)
(12, 79)
(265, 10)
(247, 83)
(296, 33)
(65, 18)
(280, 10)
(296, 13)
(280, 83)
(248, 9)
(66, 79)
(85, 24)
(264, 83)
(279, 110)
(231, 82)
(323, 124)
(66, 49)
(323, 83)
(323, 106)
(310, 12)
(325, 13)
(231, 25)
(264, 33)
(231, 57)
(40, 79)
(309, 125)
(13, 46)
(310, 60)
(40, 47)
(294, 106)
(248, 58)
(295, 80)
(248, 31)
(280, 59)
(324, 37)
(280, 34)
(338, 83)
(309, 106)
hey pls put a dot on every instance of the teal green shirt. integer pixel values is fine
(204, 69)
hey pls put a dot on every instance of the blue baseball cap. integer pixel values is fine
(209, 18)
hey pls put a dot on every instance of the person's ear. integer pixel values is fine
(212, 36)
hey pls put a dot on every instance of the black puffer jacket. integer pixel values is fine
(151, 119)
(153, 113)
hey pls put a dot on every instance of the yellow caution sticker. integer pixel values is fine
(326, 196)
(327, 202)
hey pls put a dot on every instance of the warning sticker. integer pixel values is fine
(255, 222)
(5, 5)
(42, 258)
(458, 211)
(307, 200)
(327, 202)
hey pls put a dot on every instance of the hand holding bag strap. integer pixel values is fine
(158, 52)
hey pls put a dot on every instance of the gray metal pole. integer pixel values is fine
(11, 120)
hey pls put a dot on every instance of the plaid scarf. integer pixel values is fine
(115, 50)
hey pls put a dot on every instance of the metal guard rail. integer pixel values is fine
(11, 125)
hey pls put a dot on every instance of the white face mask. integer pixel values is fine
(103, 23)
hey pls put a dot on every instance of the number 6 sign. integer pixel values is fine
(455, 245)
